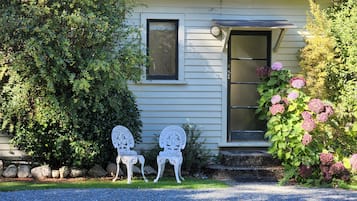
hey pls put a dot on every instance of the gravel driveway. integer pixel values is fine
(239, 191)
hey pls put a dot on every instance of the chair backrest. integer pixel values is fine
(172, 139)
(122, 140)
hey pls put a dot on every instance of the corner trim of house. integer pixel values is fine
(245, 144)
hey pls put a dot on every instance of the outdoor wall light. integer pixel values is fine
(215, 30)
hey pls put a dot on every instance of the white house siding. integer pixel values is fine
(7, 151)
(202, 98)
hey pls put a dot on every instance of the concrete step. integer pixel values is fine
(239, 158)
(246, 165)
(245, 174)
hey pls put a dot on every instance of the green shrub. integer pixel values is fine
(301, 131)
(329, 63)
(64, 69)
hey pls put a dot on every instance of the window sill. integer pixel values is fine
(163, 82)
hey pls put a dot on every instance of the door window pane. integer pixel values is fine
(249, 46)
(163, 49)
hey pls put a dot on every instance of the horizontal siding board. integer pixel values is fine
(189, 94)
(179, 101)
(180, 121)
(12, 155)
(203, 75)
(202, 55)
(168, 88)
(205, 69)
(203, 62)
(184, 115)
(204, 81)
(181, 108)
(199, 49)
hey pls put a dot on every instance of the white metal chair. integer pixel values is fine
(123, 141)
(172, 139)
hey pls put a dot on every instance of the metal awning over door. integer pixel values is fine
(228, 25)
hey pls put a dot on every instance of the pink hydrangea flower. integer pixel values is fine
(353, 162)
(316, 105)
(326, 158)
(275, 99)
(277, 108)
(293, 95)
(306, 139)
(337, 168)
(297, 82)
(308, 125)
(322, 117)
(306, 115)
(277, 66)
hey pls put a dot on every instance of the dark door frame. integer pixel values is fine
(268, 34)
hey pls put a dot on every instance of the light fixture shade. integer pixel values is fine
(215, 30)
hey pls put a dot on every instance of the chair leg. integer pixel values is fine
(129, 169)
(117, 173)
(176, 168)
(163, 164)
(160, 167)
(180, 175)
(142, 162)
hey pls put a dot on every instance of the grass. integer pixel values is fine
(164, 183)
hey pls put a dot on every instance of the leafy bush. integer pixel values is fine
(329, 63)
(64, 67)
(300, 129)
(195, 155)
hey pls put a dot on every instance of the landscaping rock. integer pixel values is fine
(148, 170)
(112, 170)
(77, 172)
(1, 167)
(10, 171)
(55, 173)
(64, 172)
(23, 171)
(41, 172)
(97, 171)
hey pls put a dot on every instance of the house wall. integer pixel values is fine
(9, 152)
(201, 97)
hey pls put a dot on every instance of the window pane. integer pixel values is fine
(245, 119)
(162, 45)
(244, 95)
(245, 70)
(249, 46)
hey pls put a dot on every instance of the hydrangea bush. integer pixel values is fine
(299, 128)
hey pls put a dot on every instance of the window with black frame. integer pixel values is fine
(162, 44)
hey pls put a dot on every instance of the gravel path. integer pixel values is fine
(239, 191)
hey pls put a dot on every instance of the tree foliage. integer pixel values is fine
(318, 54)
(64, 67)
(329, 62)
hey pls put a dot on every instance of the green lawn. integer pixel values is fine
(167, 183)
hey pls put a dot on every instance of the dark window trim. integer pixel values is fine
(162, 77)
